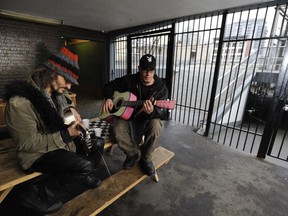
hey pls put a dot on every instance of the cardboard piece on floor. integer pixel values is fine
(93, 201)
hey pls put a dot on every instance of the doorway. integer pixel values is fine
(92, 66)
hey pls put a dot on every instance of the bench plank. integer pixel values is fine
(10, 172)
(93, 201)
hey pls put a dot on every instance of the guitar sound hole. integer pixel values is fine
(119, 103)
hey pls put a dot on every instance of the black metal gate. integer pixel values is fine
(223, 69)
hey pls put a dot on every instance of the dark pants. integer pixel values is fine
(67, 172)
(122, 132)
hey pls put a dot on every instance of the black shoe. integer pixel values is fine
(92, 181)
(31, 199)
(147, 167)
(130, 161)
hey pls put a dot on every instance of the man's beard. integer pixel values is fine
(56, 88)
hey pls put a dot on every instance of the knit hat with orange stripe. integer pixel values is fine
(65, 63)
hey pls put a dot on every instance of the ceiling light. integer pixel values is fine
(27, 17)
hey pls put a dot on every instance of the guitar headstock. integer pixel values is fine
(166, 104)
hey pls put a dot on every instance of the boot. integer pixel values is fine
(147, 167)
(92, 181)
(131, 161)
(32, 198)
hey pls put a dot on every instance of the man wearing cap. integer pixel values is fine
(145, 120)
(35, 118)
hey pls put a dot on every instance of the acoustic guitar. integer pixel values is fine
(126, 102)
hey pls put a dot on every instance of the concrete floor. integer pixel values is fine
(204, 178)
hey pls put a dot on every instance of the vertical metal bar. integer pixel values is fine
(163, 55)
(259, 46)
(216, 73)
(183, 100)
(129, 55)
(195, 69)
(200, 71)
(174, 84)
(204, 81)
(211, 63)
(119, 66)
(188, 44)
(281, 145)
(181, 72)
(146, 47)
(253, 72)
(122, 54)
(277, 104)
(224, 57)
(236, 82)
(229, 81)
(243, 83)
(189, 71)
(170, 60)
(109, 53)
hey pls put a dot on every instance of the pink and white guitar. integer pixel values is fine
(124, 104)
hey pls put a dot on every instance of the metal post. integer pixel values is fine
(129, 55)
(275, 108)
(169, 63)
(216, 74)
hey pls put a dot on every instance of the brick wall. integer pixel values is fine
(18, 41)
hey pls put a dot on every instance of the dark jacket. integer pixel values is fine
(131, 83)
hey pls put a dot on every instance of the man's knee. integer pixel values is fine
(85, 167)
(155, 127)
(121, 129)
(120, 125)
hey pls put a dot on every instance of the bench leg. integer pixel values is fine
(155, 177)
(5, 193)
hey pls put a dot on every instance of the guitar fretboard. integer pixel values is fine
(132, 103)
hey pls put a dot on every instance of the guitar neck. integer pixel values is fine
(132, 103)
(166, 104)
(82, 127)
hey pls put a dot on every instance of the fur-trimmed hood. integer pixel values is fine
(49, 115)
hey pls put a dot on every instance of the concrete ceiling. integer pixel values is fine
(109, 15)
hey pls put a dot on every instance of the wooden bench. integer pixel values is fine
(10, 172)
(92, 201)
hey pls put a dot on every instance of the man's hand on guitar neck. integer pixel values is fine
(108, 105)
(148, 107)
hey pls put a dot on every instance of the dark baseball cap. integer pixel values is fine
(147, 61)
